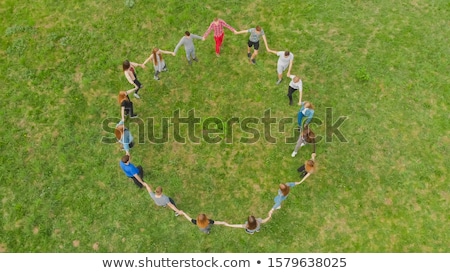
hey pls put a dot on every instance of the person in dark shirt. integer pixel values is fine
(203, 223)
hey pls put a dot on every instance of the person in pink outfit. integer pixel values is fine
(217, 26)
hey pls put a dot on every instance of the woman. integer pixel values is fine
(217, 26)
(306, 136)
(308, 168)
(158, 62)
(252, 224)
(203, 223)
(283, 193)
(129, 69)
(126, 106)
(124, 137)
(307, 110)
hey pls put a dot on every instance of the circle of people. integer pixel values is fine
(125, 139)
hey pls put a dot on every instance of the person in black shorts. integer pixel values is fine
(253, 41)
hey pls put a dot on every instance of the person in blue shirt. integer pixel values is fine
(283, 193)
(131, 171)
(307, 110)
(124, 137)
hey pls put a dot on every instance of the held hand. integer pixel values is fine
(173, 53)
(289, 74)
(313, 156)
(203, 38)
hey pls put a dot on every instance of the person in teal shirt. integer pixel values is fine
(307, 110)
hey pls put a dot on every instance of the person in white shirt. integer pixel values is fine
(285, 61)
(294, 85)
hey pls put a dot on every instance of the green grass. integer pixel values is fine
(383, 64)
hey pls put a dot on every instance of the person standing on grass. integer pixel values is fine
(253, 41)
(285, 60)
(308, 168)
(129, 69)
(307, 110)
(189, 47)
(124, 137)
(217, 26)
(283, 193)
(158, 62)
(306, 136)
(126, 105)
(203, 223)
(131, 171)
(294, 85)
(162, 200)
(252, 224)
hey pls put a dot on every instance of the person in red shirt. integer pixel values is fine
(217, 26)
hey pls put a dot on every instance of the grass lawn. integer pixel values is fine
(383, 66)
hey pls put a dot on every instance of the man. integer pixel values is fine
(133, 172)
(217, 25)
(162, 200)
(285, 60)
(188, 43)
(253, 41)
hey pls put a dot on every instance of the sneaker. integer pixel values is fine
(195, 59)
(279, 207)
(165, 69)
(302, 144)
(176, 214)
(249, 55)
(294, 153)
(156, 78)
(136, 96)
(278, 82)
(134, 116)
(253, 61)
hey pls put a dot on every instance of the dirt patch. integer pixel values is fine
(95, 246)
(76, 243)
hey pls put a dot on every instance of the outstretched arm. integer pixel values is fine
(304, 178)
(122, 112)
(130, 91)
(235, 226)
(207, 31)
(148, 59)
(271, 51)
(136, 64)
(241, 32)
(187, 216)
(269, 215)
(290, 66)
(146, 186)
(219, 223)
(174, 208)
(300, 96)
(265, 42)
(178, 45)
(166, 52)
